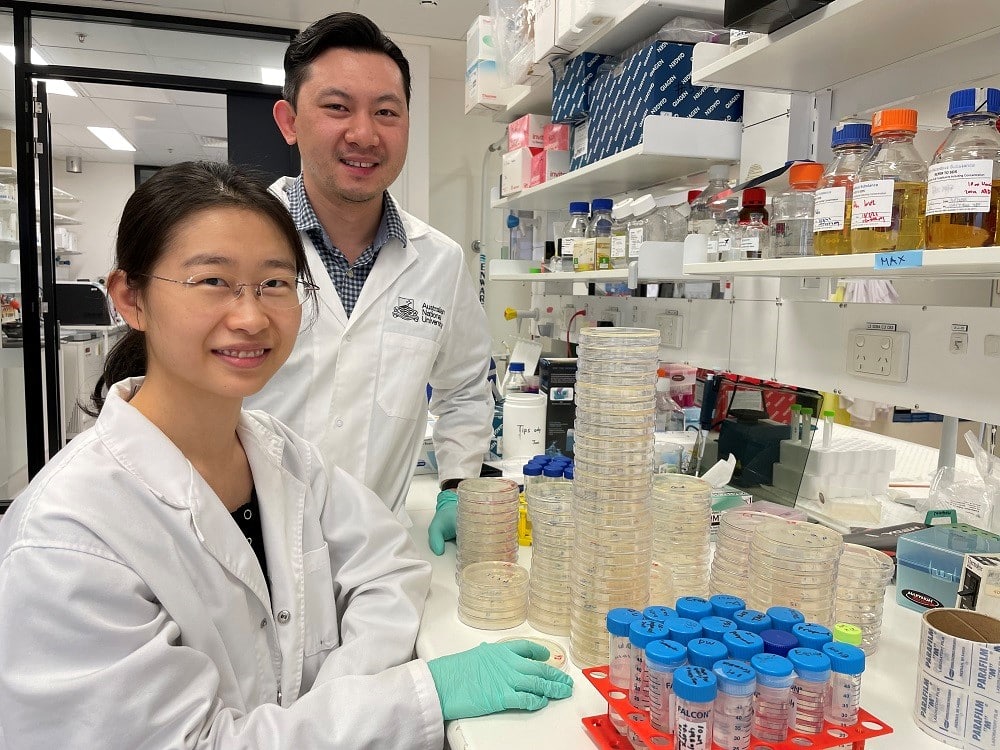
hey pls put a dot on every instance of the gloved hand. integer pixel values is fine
(493, 677)
(443, 526)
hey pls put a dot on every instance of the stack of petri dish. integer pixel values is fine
(550, 510)
(862, 577)
(487, 521)
(731, 563)
(794, 564)
(492, 595)
(682, 518)
(613, 455)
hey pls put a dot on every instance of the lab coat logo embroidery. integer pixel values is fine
(405, 310)
(432, 314)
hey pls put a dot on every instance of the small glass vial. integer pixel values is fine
(733, 719)
(716, 627)
(663, 658)
(812, 678)
(640, 634)
(847, 663)
(619, 649)
(726, 605)
(778, 642)
(756, 240)
(695, 689)
(663, 614)
(785, 618)
(693, 607)
(752, 620)
(683, 630)
(812, 635)
(621, 213)
(704, 652)
(772, 697)
(743, 644)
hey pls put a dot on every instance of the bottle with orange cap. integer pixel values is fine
(890, 192)
(792, 213)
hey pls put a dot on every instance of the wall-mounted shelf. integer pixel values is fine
(60, 220)
(870, 53)
(517, 270)
(671, 147)
(68, 252)
(981, 262)
(636, 22)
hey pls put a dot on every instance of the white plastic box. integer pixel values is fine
(546, 21)
(515, 174)
(479, 41)
(482, 88)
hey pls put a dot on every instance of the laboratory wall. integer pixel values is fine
(102, 190)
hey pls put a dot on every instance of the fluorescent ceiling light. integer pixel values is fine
(272, 76)
(54, 86)
(111, 138)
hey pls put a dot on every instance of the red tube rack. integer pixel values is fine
(606, 737)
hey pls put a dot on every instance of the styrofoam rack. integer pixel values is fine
(606, 737)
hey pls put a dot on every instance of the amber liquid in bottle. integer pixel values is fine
(835, 242)
(965, 229)
(909, 201)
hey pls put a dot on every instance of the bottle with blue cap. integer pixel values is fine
(695, 689)
(640, 634)
(847, 663)
(812, 635)
(778, 642)
(659, 612)
(716, 627)
(704, 652)
(693, 607)
(737, 682)
(726, 605)
(812, 676)
(663, 658)
(600, 229)
(743, 644)
(576, 229)
(963, 182)
(619, 649)
(785, 618)
(753, 620)
(773, 696)
(683, 630)
(851, 142)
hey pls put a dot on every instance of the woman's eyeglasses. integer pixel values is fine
(217, 290)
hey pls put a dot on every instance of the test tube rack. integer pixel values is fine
(606, 737)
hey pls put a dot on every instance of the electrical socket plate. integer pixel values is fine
(671, 330)
(879, 355)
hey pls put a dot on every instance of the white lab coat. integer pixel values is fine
(357, 387)
(137, 616)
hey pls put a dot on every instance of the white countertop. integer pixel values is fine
(887, 686)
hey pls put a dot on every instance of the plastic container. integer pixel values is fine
(851, 143)
(743, 644)
(707, 207)
(890, 190)
(716, 627)
(640, 634)
(695, 690)
(784, 618)
(646, 225)
(705, 652)
(812, 635)
(752, 620)
(601, 224)
(674, 222)
(733, 721)
(792, 213)
(726, 605)
(577, 227)
(693, 607)
(523, 424)
(619, 648)
(812, 676)
(621, 213)
(847, 664)
(772, 697)
(963, 182)
(663, 658)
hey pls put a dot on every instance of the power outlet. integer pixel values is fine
(671, 330)
(880, 355)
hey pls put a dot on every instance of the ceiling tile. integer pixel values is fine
(150, 115)
(204, 120)
(80, 110)
(198, 99)
(131, 93)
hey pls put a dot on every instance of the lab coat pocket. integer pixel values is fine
(404, 370)
(321, 632)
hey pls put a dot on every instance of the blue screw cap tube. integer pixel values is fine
(812, 676)
(726, 605)
(619, 648)
(716, 627)
(683, 630)
(812, 635)
(775, 675)
(695, 689)
(847, 663)
(734, 704)
(752, 620)
(778, 642)
(785, 618)
(693, 607)
(743, 644)
(640, 634)
(704, 652)
(663, 658)
(659, 613)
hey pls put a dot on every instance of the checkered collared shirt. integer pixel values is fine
(347, 279)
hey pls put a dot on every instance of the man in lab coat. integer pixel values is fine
(397, 306)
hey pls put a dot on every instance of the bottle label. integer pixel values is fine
(567, 247)
(619, 244)
(960, 186)
(635, 235)
(691, 735)
(750, 247)
(872, 205)
(829, 213)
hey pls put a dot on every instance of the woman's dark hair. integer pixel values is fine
(149, 221)
(338, 31)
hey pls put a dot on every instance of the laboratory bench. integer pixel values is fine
(887, 686)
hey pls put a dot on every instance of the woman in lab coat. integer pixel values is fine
(186, 574)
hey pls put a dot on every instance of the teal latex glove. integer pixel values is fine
(494, 677)
(443, 526)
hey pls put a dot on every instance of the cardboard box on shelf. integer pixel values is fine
(557, 380)
(571, 90)
(479, 40)
(547, 165)
(527, 131)
(482, 88)
(556, 136)
(515, 173)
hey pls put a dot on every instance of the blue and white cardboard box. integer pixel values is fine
(654, 81)
(571, 90)
(579, 146)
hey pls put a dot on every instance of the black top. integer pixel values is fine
(247, 517)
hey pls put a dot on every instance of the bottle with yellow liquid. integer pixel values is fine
(887, 209)
(963, 183)
(851, 143)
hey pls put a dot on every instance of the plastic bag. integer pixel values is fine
(965, 493)
(514, 27)
(691, 30)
